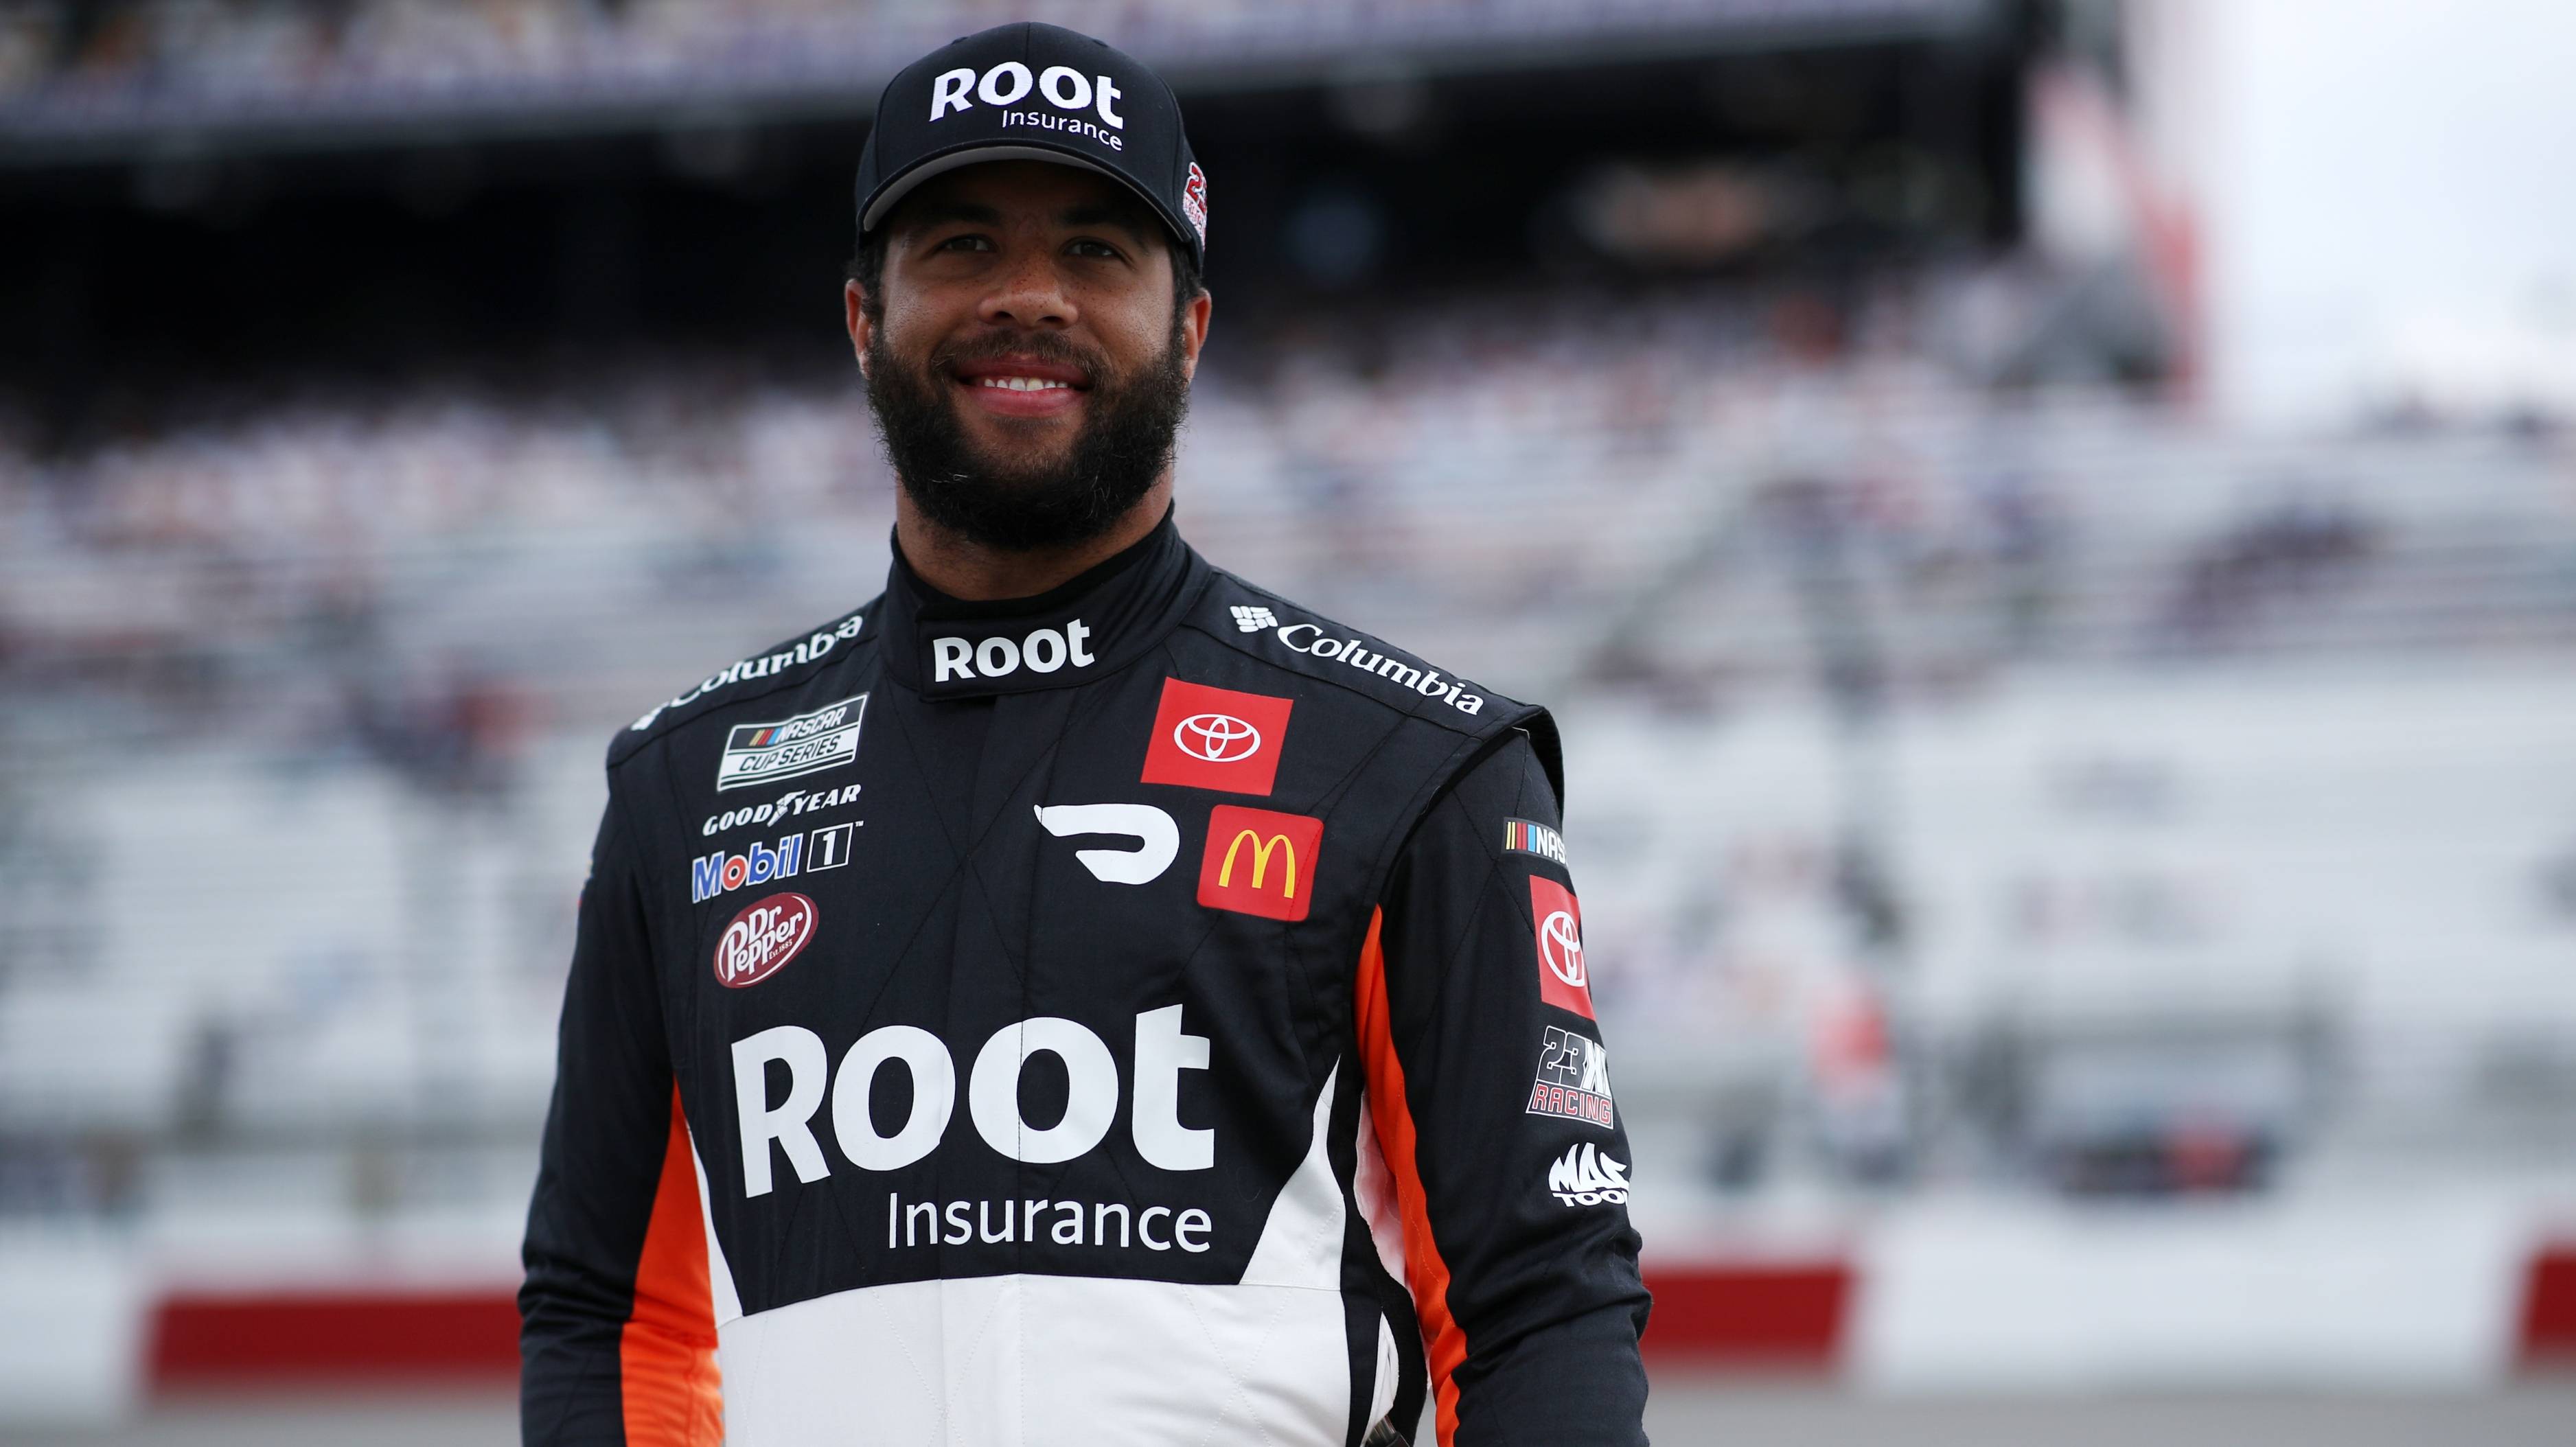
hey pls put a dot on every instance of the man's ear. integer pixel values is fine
(1194, 330)
(854, 308)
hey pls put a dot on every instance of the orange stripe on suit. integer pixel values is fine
(671, 1392)
(1442, 1340)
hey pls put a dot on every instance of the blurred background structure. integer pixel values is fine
(2050, 529)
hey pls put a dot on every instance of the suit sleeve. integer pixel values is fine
(616, 1336)
(1489, 1088)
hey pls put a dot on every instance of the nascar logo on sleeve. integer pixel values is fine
(1527, 836)
(790, 748)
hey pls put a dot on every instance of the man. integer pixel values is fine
(1078, 996)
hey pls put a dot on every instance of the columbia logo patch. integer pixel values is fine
(1253, 620)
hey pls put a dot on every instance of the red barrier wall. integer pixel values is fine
(1787, 1316)
(1767, 1316)
(343, 1336)
(2548, 1335)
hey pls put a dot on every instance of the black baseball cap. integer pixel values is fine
(1034, 92)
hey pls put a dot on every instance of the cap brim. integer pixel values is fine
(901, 186)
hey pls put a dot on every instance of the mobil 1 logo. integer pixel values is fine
(723, 871)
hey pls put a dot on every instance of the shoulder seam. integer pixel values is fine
(667, 716)
(1320, 676)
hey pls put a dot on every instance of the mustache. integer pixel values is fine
(1016, 505)
(1048, 347)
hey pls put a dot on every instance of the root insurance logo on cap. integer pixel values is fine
(1034, 92)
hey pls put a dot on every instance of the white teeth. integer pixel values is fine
(1023, 384)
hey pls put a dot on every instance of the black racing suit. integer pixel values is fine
(1140, 1013)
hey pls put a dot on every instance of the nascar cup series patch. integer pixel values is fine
(790, 748)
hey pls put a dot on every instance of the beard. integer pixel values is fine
(1124, 445)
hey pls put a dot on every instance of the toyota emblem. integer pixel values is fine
(1560, 946)
(1219, 738)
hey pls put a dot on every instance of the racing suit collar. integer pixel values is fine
(1082, 630)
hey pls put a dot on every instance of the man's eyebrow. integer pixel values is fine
(942, 213)
(1105, 213)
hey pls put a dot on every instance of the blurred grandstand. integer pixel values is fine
(1990, 769)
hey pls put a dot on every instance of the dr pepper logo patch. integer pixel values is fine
(1562, 980)
(763, 938)
(1260, 862)
(1216, 738)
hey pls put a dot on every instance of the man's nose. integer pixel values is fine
(1030, 293)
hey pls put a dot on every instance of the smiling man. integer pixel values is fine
(1077, 996)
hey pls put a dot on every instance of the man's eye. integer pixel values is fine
(1094, 248)
(965, 243)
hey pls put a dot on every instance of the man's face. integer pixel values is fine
(1027, 364)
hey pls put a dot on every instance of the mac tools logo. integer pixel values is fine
(1573, 1078)
(1558, 919)
(764, 753)
(1585, 1177)
(1061, 86)
(1216, 738)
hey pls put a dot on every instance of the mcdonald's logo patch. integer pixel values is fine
(1260, 862)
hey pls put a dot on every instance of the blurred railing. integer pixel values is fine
(300, 716)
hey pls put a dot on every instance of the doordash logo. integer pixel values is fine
(1260, 862)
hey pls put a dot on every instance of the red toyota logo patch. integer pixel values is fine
(1558, 920)
(1216, 738)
